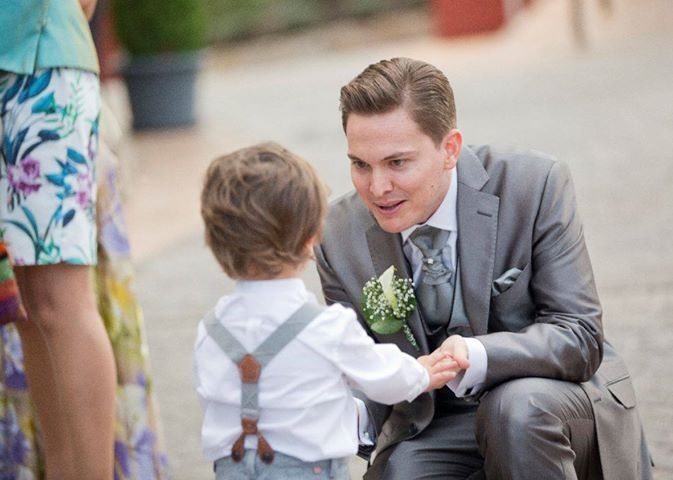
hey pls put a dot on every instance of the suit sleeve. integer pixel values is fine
(565, 339)
(334, 292)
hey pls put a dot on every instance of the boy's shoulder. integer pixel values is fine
(330, 326)
(330, 315)
(217, 310)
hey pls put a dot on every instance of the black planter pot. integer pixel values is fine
(161, 89)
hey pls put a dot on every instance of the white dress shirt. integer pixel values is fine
(446, 218)
(468, 382)
(306, 407)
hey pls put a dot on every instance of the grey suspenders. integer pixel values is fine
(250, 366)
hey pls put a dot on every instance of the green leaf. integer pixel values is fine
(23, 228)
(76, 157)
(387, 327)
(31, 219)
(46, 104)
(36, 85)
(410, 336)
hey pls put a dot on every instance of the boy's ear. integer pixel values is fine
(312, 242)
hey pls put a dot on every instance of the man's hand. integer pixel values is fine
(441, 368)
(88, 7)
(456, 348)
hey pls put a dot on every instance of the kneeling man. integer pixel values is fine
(494, 245)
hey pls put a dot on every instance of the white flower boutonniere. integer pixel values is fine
(387, 302)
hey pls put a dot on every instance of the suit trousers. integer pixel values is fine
(532, 428)
(527, 428)
(446, 449)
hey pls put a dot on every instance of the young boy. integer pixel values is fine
(263, 209)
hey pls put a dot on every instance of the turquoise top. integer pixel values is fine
(37, 34)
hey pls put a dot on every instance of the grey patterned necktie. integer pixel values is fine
(435, 289)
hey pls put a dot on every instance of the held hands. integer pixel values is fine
(441, 368)
(456, 347)
(445, 363)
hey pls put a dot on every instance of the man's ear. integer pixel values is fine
(451, 145)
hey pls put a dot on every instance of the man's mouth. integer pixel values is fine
(388, 208)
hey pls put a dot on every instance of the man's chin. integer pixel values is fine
(390, 225)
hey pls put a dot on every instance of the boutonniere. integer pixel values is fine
(387, 302)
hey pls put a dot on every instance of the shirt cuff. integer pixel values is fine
(419, 387)
(471, 381)
(366, 435)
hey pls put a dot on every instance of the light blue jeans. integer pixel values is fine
(283, 467)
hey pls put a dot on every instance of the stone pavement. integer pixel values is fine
(607, 111)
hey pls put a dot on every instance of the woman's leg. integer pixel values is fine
(70, 369)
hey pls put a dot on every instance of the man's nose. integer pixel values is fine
(380, 184)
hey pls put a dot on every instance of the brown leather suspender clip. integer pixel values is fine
(250, 370)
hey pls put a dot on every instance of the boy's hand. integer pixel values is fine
(441, 368)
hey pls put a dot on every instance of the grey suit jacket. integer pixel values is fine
(514, 211)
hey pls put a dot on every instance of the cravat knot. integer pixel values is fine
(435, 291)
(430, 241)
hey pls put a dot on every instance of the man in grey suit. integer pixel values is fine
(495, 247)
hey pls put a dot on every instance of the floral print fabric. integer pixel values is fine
(47, 174)
(138, 448)
(139, 453)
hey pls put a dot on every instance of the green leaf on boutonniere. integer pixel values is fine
(387, 302)
(387, 328)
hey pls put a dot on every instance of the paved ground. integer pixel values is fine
(607, 111)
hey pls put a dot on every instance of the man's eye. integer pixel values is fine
(398, 162)
(359, 164)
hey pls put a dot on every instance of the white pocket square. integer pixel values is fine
(505, 281)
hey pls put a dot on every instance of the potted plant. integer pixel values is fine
(163, 40)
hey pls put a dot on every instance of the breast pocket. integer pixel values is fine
(513, 309)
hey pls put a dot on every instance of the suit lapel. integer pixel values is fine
(385, 249)
(477, 233)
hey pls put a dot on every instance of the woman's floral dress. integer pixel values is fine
(138, 449)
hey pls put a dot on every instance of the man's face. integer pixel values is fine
(398, 171)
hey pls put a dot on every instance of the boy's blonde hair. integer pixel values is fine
(261, 206)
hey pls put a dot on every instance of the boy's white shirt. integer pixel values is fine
(307, 410)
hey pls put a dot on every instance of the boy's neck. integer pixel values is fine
(286, 273)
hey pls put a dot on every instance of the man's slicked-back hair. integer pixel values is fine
(420, 88)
